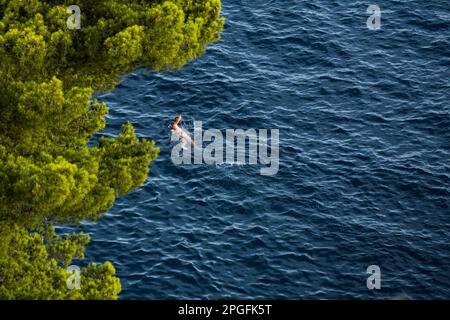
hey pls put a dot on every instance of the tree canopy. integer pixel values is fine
(48, 172)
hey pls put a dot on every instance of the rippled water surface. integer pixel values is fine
(364, 159)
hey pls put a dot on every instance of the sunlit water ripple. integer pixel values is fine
(364, 165)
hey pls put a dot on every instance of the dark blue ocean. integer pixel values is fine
(364, 159)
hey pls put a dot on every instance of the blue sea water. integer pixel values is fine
(364, 159)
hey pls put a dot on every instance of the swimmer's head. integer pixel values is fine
(175, 122)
